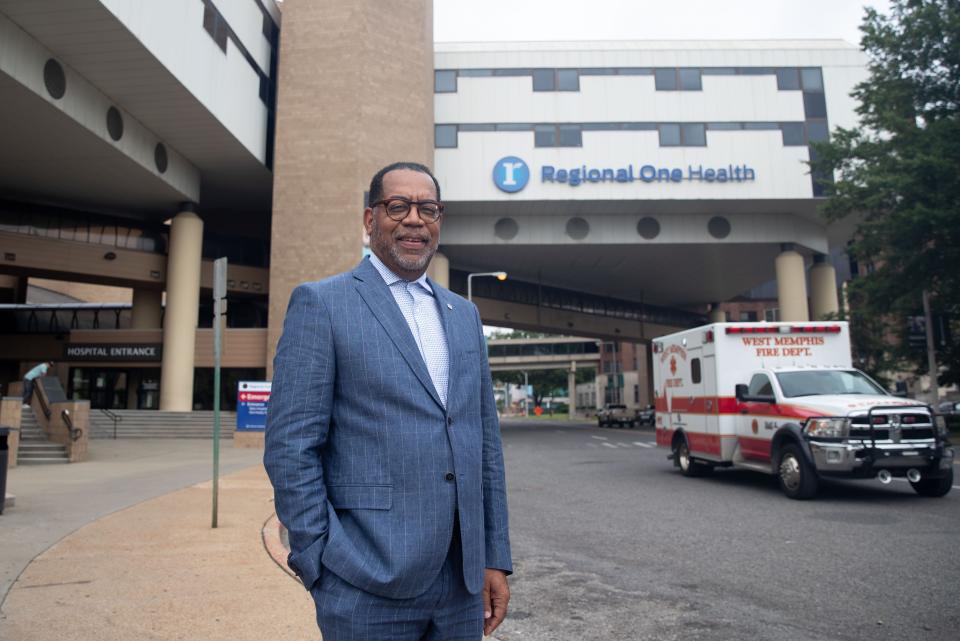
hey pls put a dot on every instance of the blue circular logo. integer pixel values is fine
(511, 174)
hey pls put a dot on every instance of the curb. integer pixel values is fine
(273, 544)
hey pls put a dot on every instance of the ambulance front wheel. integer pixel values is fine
(688, 466)
(796, 476)
(935, 487)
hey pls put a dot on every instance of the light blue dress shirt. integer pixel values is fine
(419, 307)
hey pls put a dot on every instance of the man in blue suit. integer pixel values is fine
(382, 442)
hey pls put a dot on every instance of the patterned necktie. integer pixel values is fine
(430, 336)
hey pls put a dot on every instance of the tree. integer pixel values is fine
(545, 382)
(898, 173)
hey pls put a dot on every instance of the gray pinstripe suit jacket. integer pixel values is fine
(359, 447)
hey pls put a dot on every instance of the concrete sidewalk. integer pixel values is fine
(150, 567)
(158, 570)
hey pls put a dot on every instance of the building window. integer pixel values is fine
(444, 136)
(793, 134)
(812, 79)
(569, 136)
(557, 136)
(669, 135)
(544, 136)
(788, 79)
(748, 317)
(817, 131)
(665, 79)
(689, 80)
(445, 81)
(544, 80)
(693, 135)
(556, 80)
(771, 315)
(636, 394)
(215, 25)
(568, 80)
(814, 105)
(678, 79)
(688, 134)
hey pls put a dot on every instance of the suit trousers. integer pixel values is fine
(445, 612)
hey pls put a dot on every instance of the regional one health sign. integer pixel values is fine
(253, 400)
(511, 174)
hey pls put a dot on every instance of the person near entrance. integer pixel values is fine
(30, 379)
(382, 439)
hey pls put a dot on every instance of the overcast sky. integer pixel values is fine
(511, 20)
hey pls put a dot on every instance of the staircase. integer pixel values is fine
(35, 449)
(157, 424)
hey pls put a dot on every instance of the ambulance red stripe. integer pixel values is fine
(729, 405)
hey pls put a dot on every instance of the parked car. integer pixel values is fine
(647, 416)
(616, 415)
(949, 408)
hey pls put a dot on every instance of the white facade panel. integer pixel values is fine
(738, 96)
(466, 173)
(246, 20)
(618, 99)
(22, 58)
(667, 53)
(838, 83)
(224, 83)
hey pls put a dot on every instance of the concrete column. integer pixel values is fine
(180, 320)
(572, 389)
(823, 288)
(791, 286)
(439, 270)
(15, 289)
(717, 315)
(147, 308)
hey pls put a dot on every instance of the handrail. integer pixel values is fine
(40, 393)
(75, 432)
(116, 418)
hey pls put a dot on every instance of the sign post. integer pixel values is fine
(219, 312)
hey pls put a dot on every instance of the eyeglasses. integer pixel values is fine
(398, 208)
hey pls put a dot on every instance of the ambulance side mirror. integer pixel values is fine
(741, 392)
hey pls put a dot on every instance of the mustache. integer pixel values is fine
(411, 235)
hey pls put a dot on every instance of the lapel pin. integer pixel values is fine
(449, 306)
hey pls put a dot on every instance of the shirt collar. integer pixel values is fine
(391, 279)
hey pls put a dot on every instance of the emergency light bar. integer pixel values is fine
(785, 329)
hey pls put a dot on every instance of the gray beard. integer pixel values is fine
(377, 241)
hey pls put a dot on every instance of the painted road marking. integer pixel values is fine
(638, 443)
(609, 445)
(600, 438)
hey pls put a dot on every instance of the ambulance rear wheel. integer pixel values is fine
(796, 476)
(688, 466)
(934, 487)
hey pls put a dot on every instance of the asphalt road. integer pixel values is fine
(610, 542)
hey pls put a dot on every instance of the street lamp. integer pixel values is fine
(497, 275)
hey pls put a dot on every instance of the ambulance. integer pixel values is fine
(784, 399)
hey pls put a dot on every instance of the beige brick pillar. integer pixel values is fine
(572, 389)
(823, 288)
(180, 320)
(717, 315)
(439, 270)
(10, 415)
(147, 308)
(369, 104)
(791, 286)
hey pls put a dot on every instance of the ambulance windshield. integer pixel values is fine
(822, 382)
